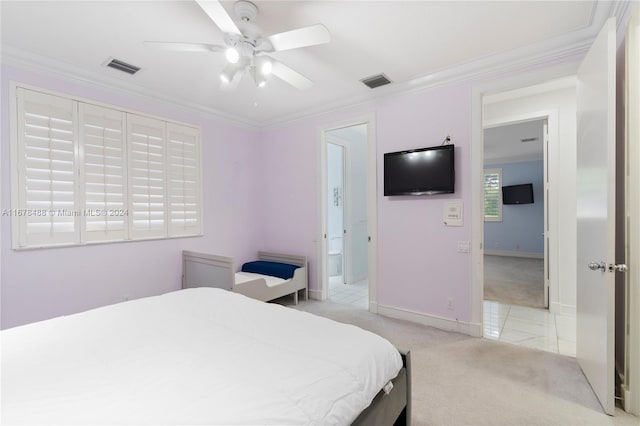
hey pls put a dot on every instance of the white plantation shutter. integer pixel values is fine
(147, 183)
(183, 161)
(103, 166)
(47, 211)
(493, 195)
(86, 173)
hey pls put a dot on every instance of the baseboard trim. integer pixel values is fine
(315, 294)
(446, 324)
(373, 307)
(475, 329)
(627, 401)
(514, 254)
(559, 308)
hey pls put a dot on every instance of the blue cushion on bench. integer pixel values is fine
(274, 269)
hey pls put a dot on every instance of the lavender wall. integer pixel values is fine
(44, 283)
(418, 264)
(262, 193)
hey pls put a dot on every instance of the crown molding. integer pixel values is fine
(622, 11)
(564, 48)
(563, 83)
(517, 60)
(31, 62)
(548, 52)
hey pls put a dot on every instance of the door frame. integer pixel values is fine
(372, 219)
(550, 208)
(477, 166)
(631, 387)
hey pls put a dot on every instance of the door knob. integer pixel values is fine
(594, 266)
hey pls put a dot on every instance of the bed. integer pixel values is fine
(272, 276)
(201, 356)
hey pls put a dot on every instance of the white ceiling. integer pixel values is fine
(409, 41)
(504, 143)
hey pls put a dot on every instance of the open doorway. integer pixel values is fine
(346, 216)
(515, 212)
(516, 234)
(535, 304)
(560, 101)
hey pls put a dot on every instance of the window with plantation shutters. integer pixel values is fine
(44, 202)
(85, 173)
(147, 179)
(493, 195)
(102, 143)
(184, 174)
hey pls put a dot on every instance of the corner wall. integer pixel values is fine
(43, 283)
(262, 191)
(419, 267)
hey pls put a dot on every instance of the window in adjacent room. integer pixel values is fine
(492, 195)
(86, 173)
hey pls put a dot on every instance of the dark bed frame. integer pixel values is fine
(393, 408)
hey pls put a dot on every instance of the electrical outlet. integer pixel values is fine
(450, 304)
(463, 246)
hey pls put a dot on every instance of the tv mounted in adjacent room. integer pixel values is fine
(517, 194)
(423, 171)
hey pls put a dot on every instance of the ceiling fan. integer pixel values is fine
(246, 48)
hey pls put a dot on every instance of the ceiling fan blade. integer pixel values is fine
(219, 16)
(185, 47)
(290, 76)
(306, 36)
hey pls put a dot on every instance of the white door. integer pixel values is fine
(546, 235)
(596, 215)
(336, 211)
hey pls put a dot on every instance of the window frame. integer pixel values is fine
(498, 217)
(17, 175)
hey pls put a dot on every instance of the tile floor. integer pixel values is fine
(356, 294)
(530, 327)
(518, 325)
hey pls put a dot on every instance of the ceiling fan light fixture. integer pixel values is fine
(244, 45)
(266, 67)
(232, 55)
(231, 71)
(228, 73)
(258, 77)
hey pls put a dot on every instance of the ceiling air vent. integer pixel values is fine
(528, 140)
(376, 81)
(122, 66)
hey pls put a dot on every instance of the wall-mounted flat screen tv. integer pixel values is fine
(517, 194)
(422, 171)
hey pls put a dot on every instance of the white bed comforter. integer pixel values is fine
(196, 356)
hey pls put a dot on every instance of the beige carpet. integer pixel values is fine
(461, 380)
(514, 280)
